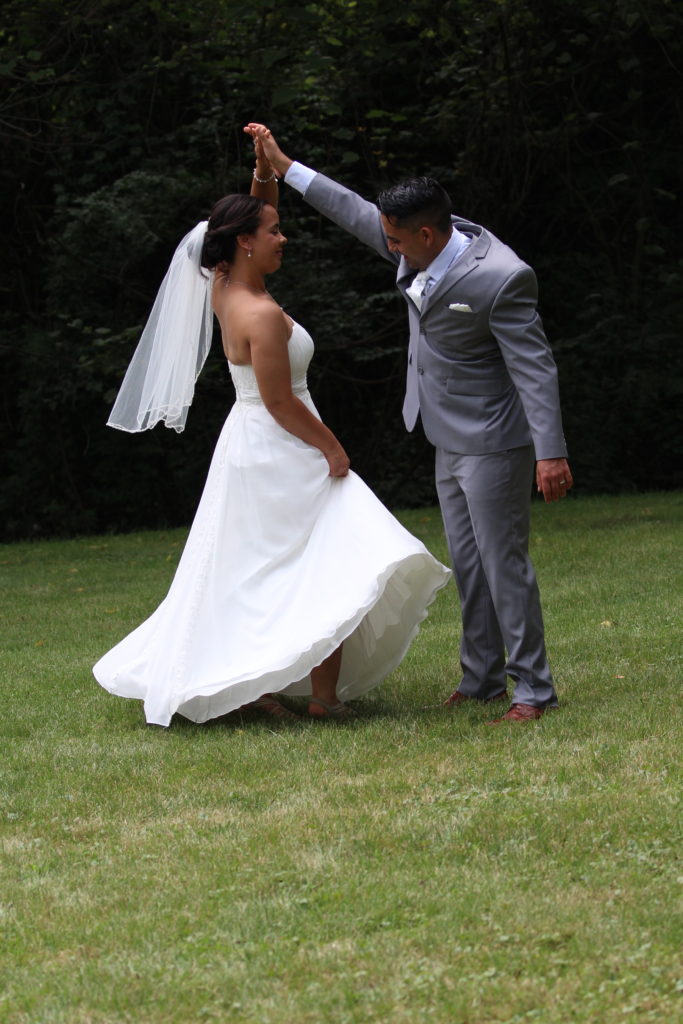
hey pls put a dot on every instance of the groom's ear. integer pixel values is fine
(427, 235)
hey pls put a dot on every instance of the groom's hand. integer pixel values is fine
(278, 161)
(553, 478)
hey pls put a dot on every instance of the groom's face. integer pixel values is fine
(416, 245)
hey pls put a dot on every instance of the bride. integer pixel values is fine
(295, 579)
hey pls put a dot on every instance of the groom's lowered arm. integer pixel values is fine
(342, 206)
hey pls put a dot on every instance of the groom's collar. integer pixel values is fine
(452, 250)
(454, 247)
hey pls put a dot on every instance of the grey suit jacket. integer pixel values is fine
(486, 379)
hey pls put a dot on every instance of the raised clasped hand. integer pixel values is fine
(265, 143)
(258, 149)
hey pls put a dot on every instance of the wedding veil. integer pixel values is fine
(160, 379)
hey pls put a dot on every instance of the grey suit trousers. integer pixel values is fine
(485, 505)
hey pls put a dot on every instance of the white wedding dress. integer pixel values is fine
(282, 564)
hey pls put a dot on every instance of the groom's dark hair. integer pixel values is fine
(416, 202)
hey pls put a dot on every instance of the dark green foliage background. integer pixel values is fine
(556, 125)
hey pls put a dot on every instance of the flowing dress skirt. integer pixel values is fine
(281, 565)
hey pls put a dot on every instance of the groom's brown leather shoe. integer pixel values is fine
(519, 713)
(459, 698)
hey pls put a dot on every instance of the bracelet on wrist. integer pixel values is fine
(264, 181)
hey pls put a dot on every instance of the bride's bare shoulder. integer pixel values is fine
(248, 318)
(247, 309)
(264, 318)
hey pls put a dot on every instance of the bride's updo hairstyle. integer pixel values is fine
(231, 216)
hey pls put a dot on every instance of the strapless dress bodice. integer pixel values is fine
(300, 348)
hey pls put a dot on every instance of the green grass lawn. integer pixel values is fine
(414, 865)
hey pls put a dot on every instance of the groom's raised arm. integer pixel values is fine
(342, 206)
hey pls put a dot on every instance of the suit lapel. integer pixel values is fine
(476, 252)
(404, 275)
(470, 261)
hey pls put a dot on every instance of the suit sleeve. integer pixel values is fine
(516, 325)
(349, 211)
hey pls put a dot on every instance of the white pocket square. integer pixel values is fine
(460, 307)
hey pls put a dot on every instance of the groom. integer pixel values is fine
(482, 379)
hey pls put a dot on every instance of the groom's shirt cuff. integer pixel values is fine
(299, 176)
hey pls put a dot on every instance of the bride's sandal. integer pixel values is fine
(270, 706)
(340, 712)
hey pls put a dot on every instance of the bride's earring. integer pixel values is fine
(248, 254)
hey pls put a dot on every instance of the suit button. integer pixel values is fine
(420, 370)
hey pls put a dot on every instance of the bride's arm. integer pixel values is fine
(264, 183)
(270, 360)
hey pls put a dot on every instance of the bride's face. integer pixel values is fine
(268, 242)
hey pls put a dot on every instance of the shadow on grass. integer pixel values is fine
(369, 711)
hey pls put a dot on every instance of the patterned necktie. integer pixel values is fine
(417, 287)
